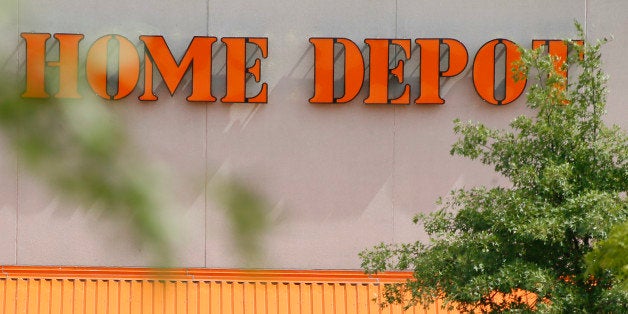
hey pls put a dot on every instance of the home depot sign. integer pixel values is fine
(198, 60)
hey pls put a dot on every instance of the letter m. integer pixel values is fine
(198, 55)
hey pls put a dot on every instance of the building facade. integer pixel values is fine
(341, 171)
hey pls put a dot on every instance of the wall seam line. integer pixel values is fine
(586, 19)
(206, 157)
(17, 155)
(394, 147)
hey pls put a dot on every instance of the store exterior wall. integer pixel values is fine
(340, 177)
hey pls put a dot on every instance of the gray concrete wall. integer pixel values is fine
(340, 178)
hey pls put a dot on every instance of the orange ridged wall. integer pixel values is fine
(137, 290)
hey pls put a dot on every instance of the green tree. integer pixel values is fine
(522, 248)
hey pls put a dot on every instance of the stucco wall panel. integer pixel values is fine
(169, 133)
(424, 134)
(312, 154)
(8, 203)
(8, 160)
(606, 19)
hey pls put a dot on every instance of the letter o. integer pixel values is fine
(128, 66)
(484, 72)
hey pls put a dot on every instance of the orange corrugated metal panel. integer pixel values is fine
(137, 290)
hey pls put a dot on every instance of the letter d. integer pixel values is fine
(324, 70)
